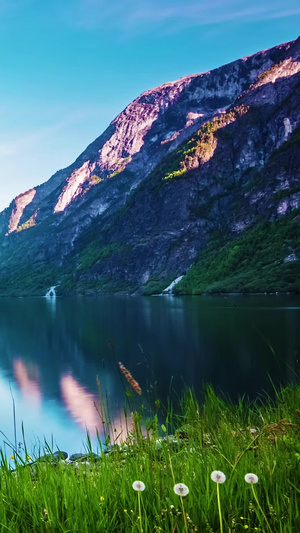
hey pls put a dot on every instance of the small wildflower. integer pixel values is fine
(28, 458)
(241, 517)
(125, 510)
(251, 478)
(12, 457)
(246, 526)
(181, 489)
(218, 477)
(138, 517)
(139, 486)
(102, 498)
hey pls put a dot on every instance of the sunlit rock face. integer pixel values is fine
(74, 186)
(176, 164)
(19, 204)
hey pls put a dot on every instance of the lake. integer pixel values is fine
(52, 350)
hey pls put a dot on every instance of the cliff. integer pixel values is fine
(184, 173)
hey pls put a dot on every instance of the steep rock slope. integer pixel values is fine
(185, 162)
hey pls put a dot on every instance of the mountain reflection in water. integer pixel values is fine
(81, 405)
(24, 377)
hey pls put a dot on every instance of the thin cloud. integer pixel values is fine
(136, 16)
(16, 146)
(286, 13)
(33, 136)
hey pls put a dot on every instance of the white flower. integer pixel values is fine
(251, 478)
(139, 486)
(218, 476)
(181, 489)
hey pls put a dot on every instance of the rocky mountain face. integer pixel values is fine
(191, 161)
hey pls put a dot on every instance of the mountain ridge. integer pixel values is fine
(182, 129)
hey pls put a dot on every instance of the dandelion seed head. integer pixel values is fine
(181, 489)
(218, 477)
(251, 478)
(139, 486)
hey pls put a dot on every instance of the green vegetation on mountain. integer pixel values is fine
(94, 253)
(26, 225)
(94, 179)
(263, 258)
(200, 148)
(29, 280)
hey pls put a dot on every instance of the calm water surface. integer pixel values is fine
(51, 352)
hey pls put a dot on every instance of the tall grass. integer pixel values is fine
(260, 437)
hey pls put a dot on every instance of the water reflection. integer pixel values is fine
(28, 381)
(51, 352)
(51, 303)
(91, 414)
(81, 405)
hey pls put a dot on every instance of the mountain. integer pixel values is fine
(197, 178)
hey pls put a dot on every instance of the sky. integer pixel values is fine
(68, 67)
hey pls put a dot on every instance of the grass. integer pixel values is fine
(260, 437)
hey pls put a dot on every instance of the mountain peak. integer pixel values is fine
(211, 132)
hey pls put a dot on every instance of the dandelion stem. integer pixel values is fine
(183, 512)
(219, 508)
(172, 469)
(140, 512)
(256, 499)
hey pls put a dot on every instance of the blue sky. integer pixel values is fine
(68, 67)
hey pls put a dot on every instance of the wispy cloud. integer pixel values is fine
(31, 153)
(23, 142)
(134, 15)
(31, 135)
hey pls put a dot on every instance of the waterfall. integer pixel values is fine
(51, 292)
(169, 289)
